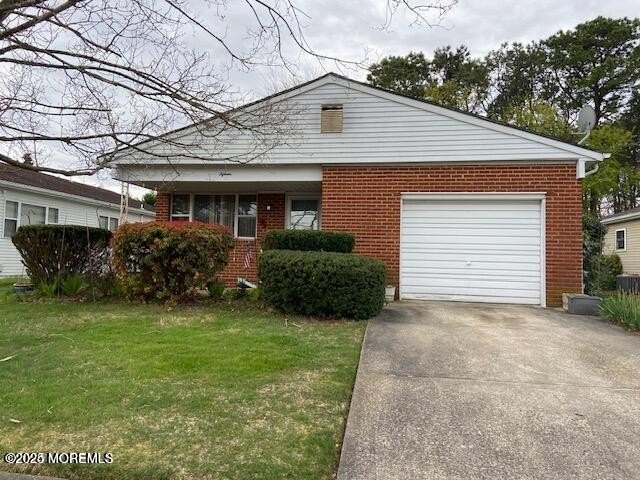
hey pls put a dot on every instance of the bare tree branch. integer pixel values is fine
(83, 82)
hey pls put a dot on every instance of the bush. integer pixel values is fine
(623, 309)
(308, 240)
(52, 252)
(170, 261)
(602, 274)
(216, 290)
(322, 283)
(72, 284)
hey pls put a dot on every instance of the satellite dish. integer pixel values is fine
(586, 119)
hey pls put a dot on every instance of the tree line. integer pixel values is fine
(541, 86)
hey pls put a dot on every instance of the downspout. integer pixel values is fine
(597, 165)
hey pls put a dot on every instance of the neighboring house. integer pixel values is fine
(28, 197)
(458, 207)
(623, 238)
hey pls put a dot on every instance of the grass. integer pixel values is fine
(623, 309)
(220, 391)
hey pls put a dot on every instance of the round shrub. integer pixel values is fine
(322, 283)
(52, 252)
(308, 240)
(170, 261)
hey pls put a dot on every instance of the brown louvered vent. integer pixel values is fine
(331, 119)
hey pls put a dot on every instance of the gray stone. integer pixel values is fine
(469, 391)
(580, 304)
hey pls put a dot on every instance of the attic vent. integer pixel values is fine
(331, 119)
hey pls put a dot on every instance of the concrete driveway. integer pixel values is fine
(469, 391)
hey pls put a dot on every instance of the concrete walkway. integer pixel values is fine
(469, 391)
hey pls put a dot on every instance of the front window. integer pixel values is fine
(181, 208)
(17, 214)
(215, 209)
(238, 212)
(247, 215)
(304, 213)
(621, 239)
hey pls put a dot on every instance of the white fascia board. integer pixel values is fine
(622, 218)
(473, 196)
(219, 174)
(69, 196)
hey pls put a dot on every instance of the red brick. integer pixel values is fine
(349, 193)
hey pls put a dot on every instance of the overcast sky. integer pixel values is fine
(349, 28)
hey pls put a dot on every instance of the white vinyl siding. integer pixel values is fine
(472, 250)
(376, 129)
(70, 212)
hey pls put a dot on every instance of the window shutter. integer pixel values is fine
(331, 119)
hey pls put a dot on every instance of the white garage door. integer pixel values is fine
(474, 249)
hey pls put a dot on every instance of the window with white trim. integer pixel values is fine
(304, 213)
(621, 239)
(10, 218)
(181, 207)
(17, 214)
(237, 211)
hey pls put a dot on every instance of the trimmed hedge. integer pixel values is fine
(322, 283)
(309, 240)
(170, 261)
(52, 252)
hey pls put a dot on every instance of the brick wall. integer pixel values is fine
(366, 201)
(267, 219)
(163, 206)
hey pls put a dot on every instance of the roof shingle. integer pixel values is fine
(23, 176)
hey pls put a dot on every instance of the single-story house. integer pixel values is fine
(28, 197)
(459, 207)
(623, 238)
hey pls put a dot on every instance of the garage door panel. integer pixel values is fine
(460, 284)
(427, 238)
(478, 260)
(475, 298)
(473, 250)
(488, 275)
(443, 222)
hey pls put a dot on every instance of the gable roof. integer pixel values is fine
(631, 214)
(23, 176)
(427, 105)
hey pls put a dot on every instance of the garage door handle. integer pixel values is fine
(468, 262)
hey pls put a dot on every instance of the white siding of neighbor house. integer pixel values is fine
(378, 127)
(630, 256)
(70, 212)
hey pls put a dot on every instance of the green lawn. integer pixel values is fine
(210, 391)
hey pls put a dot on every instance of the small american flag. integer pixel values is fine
(248, 258)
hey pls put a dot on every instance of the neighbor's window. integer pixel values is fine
(32, 215)
(237, 211)
(108, 223)
(181, 207)
(52, 216)
(10, 218)
(17, 214)
(621, 239)
(304, 213)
